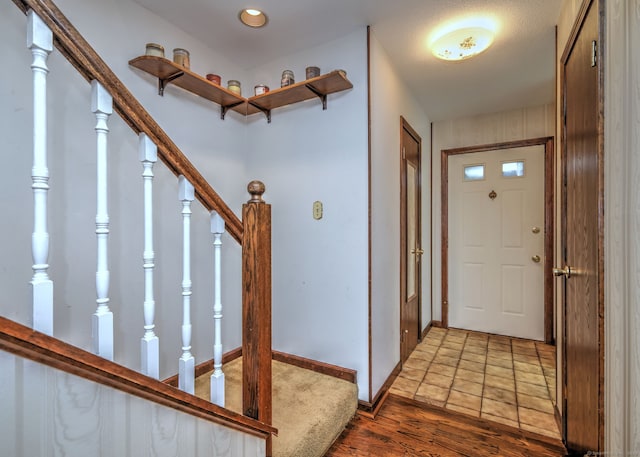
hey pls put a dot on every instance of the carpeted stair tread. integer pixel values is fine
(310, 409)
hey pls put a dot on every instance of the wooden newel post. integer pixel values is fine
(256, 306)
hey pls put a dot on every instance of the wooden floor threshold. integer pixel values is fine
(406, 427)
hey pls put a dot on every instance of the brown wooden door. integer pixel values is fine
(583, 229)
(410, 243)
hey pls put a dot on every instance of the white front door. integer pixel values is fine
(496, 241)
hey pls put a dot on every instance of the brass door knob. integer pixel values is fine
(566, 271)
(536, 258)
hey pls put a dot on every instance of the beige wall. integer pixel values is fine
(622, 227)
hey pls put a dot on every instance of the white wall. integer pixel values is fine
(215, 146)
(306, 154)
(390, 99)
(320, 268)
(50, 412)
(534, 122)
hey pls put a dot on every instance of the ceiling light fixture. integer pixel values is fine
(252, 17)
(463, 39)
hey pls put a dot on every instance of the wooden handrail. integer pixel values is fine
(25, 342)
(89, 64)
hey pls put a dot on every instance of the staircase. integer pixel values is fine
(253, 397)
(310, 409)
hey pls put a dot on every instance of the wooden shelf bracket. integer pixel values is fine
(225, 108)
(267, 112)
(162, 82)
(320, 95)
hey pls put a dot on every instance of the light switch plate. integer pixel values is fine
(317, 210)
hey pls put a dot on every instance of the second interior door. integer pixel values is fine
(411, 251)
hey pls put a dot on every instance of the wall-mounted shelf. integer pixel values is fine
(169, 72)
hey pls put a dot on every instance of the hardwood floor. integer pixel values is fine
(404, 427)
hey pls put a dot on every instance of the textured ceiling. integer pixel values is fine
(518, 70)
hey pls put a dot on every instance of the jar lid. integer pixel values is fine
(233, 82)
(155, 45)
(179, 50)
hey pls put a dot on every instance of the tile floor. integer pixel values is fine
(507, 380)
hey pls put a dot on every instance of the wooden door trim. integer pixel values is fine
(547, 142)
(405, 126)
(571, 41)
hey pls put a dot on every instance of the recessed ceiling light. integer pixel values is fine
(252, 17)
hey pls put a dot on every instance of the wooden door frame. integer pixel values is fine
(571, 41)
(548, 144)
(405, 126)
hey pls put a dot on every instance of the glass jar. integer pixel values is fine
(260, 89)
(215, 79)
(181, 57)
(312, 72)
(154, 49)
(287, 78)
(234, 86)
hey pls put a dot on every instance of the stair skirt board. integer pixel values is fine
(310, 409)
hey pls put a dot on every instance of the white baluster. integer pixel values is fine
(217, 378)
(149, 345)
(186, 364)
(40, 42)
(102, 319)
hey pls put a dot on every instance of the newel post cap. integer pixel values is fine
(256, 189)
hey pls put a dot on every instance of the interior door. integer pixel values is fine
(582, 229)
(496, 241)
(411, 251)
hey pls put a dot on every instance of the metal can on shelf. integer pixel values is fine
(234, 86)
(154, 49)
(181, 57)
(260, 89)
(287, 78)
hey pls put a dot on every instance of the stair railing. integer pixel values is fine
(48, 26)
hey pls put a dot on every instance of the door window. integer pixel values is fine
(513, 169)
(474, 172)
